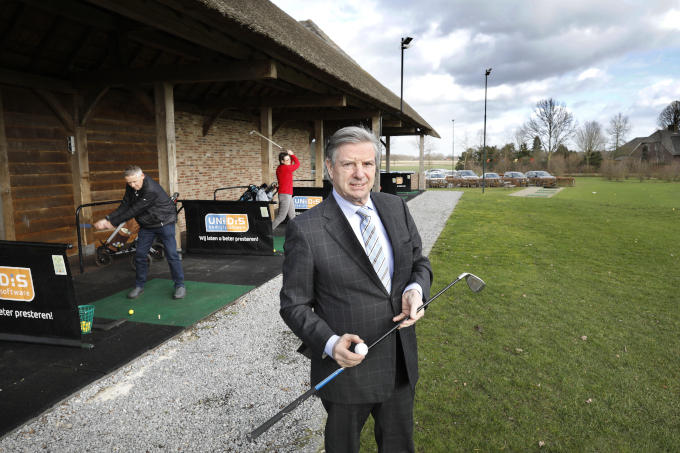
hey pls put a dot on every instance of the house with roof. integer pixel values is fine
(663, 146)
(88, 87)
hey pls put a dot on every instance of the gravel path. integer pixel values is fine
(205, 389)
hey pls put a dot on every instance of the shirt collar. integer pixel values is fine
(350, 209)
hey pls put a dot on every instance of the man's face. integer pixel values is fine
(286, 160)
(353, 172)
(135, 181)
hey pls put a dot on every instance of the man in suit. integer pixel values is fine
(353, 267)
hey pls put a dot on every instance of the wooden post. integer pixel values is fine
(387, 153)
(266, 149)
(421, 167)
(80, 167)
(319, 163)
(7, 231)
(165, 136)
(375, 127)
(165, 141)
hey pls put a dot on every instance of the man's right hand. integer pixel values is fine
(103, 224)
(341, 353)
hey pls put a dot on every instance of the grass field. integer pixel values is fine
(575, 343)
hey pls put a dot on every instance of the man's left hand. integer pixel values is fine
(410, 302)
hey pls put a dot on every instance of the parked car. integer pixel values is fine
(492, 179)
(453, 178)
(436, 179)
(468, 178)
(516, 178)
(541, 178)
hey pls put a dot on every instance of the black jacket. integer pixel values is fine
(150, 206)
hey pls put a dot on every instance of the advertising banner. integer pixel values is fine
(228, 227)
(37, 298)
(307, 197)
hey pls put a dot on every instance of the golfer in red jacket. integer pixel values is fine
(284, 174)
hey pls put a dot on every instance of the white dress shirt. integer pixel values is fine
(354, 219)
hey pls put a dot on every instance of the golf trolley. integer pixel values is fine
(123, 241)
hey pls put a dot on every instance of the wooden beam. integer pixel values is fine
(78, 12)
(161, 41)
(330, 115)
(421, 165)
(210, 119)
(376, 129)
(174, 74)
(55, 105)
(165, 136)
(266, 150)
(400, 131)
(144, 99)
(170, 21)
(391, 124)
(88, 105)
(387, 153)
(289, 101)
(80, 169)
(266, 146)
(297, 78)
(7, 231)
(27, 80)
(319, 151)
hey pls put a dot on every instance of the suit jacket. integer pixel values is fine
(330, 287)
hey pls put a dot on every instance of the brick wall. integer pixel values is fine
(228, 156)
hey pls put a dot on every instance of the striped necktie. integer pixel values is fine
(373, 248)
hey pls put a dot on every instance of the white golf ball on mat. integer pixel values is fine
(361, 348)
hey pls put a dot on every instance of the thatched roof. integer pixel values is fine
(309, 49)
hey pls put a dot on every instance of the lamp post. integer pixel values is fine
(486, 78)
(453, 144)
(405, 43)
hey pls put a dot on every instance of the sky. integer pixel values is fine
(598, 57)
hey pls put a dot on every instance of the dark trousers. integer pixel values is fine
(393, 420)
(145, 238)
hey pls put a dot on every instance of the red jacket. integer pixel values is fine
(284, 174)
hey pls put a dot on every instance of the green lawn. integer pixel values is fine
(575, 343)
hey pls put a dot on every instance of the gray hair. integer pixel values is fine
(132, 170)
(350, 134)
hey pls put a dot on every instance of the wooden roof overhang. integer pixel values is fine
(219, 64)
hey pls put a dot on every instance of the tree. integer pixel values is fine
(590, 140)
(536, 147)
(669, 118)
(619, 126)
(552, 123)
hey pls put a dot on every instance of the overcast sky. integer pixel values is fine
(599, 57)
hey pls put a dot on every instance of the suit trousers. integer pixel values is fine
(393, 419)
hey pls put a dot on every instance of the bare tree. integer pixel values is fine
(669, 118)
(552, 123)
(619, 126)
(589, 139)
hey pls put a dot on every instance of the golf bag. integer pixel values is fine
(262, 193)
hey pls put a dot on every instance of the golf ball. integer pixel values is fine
(131, 312)
(361, 348)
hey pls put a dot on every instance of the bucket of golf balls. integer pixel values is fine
(86, 316)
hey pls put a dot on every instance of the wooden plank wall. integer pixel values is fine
(121, 132)
(39, 169)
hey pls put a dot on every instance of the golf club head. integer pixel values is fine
(251, 132)
(475, 283)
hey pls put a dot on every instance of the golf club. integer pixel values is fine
(475, 283)
(270, 141)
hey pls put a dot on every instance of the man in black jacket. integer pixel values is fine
(147, 202)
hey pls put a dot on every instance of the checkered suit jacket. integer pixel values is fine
(330, 287)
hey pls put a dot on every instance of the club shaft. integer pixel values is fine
(266, 138)
(422, 307)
